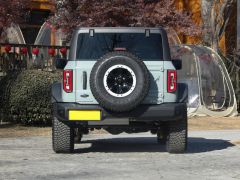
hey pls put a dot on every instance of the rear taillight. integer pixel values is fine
(68, 81)
(172, 81)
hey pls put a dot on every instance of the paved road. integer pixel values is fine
(211, 155)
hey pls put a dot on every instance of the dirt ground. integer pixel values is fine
(195, 124)
(214, 123)
(10, 131)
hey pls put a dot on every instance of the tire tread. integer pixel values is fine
(62, 137)
(177, 136)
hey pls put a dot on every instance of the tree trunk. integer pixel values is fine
(215, 15)
(238, 49)
(206, 8)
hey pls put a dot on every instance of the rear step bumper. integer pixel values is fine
(143, 113)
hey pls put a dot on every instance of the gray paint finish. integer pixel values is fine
(158, 69)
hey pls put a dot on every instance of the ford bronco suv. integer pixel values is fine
(120, 80)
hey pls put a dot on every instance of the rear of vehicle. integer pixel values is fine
(122, 80)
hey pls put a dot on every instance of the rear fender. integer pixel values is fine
(182, 93)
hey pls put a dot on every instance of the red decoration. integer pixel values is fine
(8, 48)
(35, 51)
(51, 51)
(24, 50)
(63, 50)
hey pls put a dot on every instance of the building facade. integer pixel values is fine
(36, 15)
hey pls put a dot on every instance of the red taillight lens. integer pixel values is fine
(172, 81)
(68, 81)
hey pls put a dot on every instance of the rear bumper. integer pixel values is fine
(143, 113)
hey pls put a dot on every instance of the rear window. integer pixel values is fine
(92, 48)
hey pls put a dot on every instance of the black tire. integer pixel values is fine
(110, 102)
(62, 137)
(77, 135)
(177, 136)
(162, 135)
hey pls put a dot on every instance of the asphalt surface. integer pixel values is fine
(211, 155)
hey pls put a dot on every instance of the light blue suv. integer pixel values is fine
(120, 80)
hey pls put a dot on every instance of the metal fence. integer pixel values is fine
(21, 56)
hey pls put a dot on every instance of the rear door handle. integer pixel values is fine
(84, 80)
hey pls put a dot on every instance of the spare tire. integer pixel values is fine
(119, 81)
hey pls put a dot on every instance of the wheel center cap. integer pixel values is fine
(119, 81)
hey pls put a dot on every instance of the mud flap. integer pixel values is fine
(182, 95)
(56, 90)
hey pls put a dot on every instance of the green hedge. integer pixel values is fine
(25, 97)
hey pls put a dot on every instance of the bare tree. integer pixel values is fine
(206, 8)
(215, 15)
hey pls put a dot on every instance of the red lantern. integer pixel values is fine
(35, 51)
(8, 48)
(63, 50)
(51, 51)
(24, 50)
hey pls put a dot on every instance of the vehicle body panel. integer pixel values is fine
(82, 69)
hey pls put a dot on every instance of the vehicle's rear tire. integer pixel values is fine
(162, 135)
(62, 137)
(177, 136)
(77, 135)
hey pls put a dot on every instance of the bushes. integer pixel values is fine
(26, 96)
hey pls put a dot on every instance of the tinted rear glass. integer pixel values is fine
(90, 48)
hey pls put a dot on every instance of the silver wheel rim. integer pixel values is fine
(119, 80)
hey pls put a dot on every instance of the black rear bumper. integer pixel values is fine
(143, 113)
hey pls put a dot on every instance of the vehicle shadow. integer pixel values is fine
(149, 144)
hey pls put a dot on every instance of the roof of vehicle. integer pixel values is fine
(120, 29)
